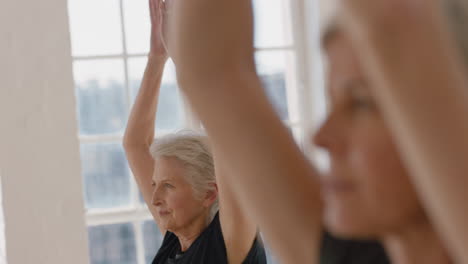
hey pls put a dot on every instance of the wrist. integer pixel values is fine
(157, 58)
(156, 63)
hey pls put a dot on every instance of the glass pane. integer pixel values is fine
(170, 116)
(271, 259)
(95, 27)
(152, 239)
(271, 66)
(137, 25)
(297, 133)
(271, 23)
(112, 244)
(106, 175)
(140, 198)
(102, 104)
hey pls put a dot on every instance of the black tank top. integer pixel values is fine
(208, 248)
(338, 251)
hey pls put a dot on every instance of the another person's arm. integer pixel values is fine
(139, 134)
(213, 51)
(238, 226)
(420, 83)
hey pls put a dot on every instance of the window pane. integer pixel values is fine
(297, 133)
(106, 175)
(101, 96)
(270, 258)
(269, 254)
(137, 25)
(152, 239)
(95, 27)
(271, 23)
(271, 66)
(112, 244)
(170, 115)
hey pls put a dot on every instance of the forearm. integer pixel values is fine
(140, 127)
(420, 84)
(140, 130)
(268, 172)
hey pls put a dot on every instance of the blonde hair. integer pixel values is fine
(457, 17)
(456, 12)
(192, 149)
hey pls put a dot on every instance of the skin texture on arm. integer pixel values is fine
(238, 227)
(139, 133)
(213, 50)
(421, 87)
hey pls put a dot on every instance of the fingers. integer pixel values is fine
(168, 5)
(151, 8)
(163, 6)
(154, 10)
(157, 5)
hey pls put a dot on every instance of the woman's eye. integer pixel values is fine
(167, 185)
(362, 104)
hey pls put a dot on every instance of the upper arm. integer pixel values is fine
(239, 230)
(142, 166)
(267, 171)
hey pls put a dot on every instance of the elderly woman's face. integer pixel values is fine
(367, 191)
(173, 196)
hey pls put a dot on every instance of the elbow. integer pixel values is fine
(127, 142)
(130, 143)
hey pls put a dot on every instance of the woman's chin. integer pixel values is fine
(349, 227)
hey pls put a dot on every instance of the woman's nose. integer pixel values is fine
(329, 135)
(321, 137)
(156, 199)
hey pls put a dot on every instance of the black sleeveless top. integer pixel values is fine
(208, 248)
(338, 251)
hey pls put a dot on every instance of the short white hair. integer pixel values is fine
(193, 150)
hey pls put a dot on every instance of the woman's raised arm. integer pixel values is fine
(212, 46)
(139, 134)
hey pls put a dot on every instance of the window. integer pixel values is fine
(110, 40)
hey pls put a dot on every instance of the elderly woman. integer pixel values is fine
(395, 132)
(176, 176)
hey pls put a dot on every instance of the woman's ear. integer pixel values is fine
(211, 195)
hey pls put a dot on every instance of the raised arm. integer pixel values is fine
(420, 83)
(139, 134)
(238, 226)
(213, 52)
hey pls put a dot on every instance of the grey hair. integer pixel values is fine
(193, 150)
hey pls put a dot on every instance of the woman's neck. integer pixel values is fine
(416, 244)
(191, 232)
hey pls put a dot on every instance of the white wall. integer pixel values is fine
(39, 150)
(2, 227)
